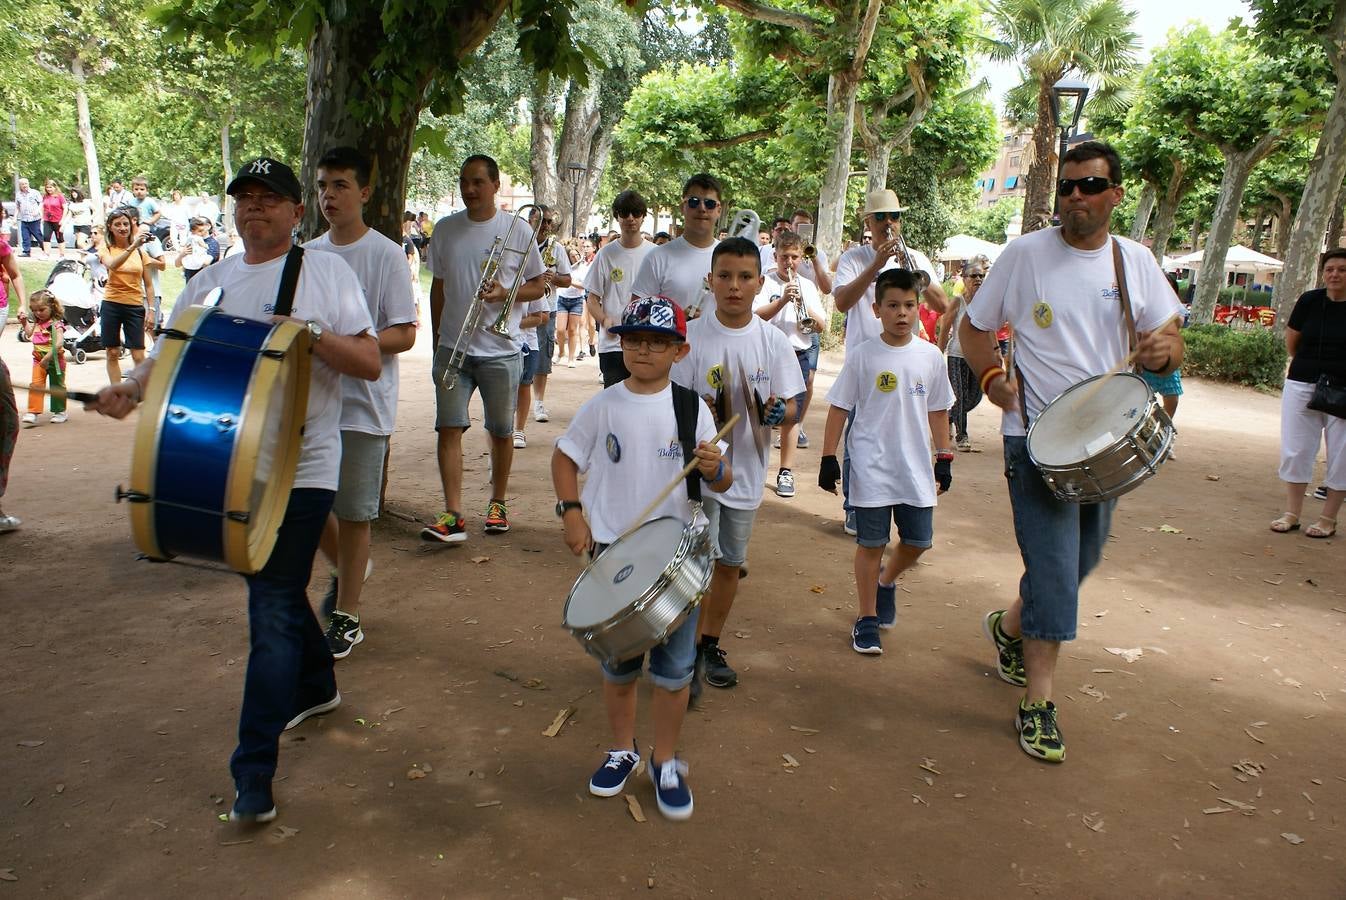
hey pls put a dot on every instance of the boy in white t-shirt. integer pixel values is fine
(783, 290)
(609, 279)
(535, 315)
(625, 440)
(728, 345)
(897, 390)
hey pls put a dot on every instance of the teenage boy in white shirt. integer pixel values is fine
(778, 302)
(620, 440)
(895, 390)
(368, 408)
(731, 336)
(679, 268)
(609, 281)
(535, 316)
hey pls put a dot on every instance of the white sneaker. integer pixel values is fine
(29, 419)
(58, 418)
(540, 413)
(570, 364)
(519, 440)
(775, 441)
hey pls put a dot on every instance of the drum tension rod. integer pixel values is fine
(132, 496)
(177, 335)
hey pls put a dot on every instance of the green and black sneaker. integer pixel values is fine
(1010, 650)
(1038, 732)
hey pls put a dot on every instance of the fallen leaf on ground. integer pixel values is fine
(1292, 837)
(535, 684)
(1242, 807)
(1214, 810)
(790, 761)
(487, 803)
(285, 831)
(817, 589)
(481, 559)
(1130, 655)
(1212, 477)
(802, 730)
(1093, 823)
(28, 745)
(555, 727)
(633, 807)
(1169, 529)
(8, 875)
(414, 774)
(1253, 736)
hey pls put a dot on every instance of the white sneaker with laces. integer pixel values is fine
(785, 484)
(29, 418)
(540, 413)
(520, 440)
(58, 418)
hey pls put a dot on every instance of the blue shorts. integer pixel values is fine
(572, 305)
(1060, 544)
(915, 525)
(671, 662)
(1164, 385)
(546, 345)
(529, 359)
(730, 531)
(498, 379)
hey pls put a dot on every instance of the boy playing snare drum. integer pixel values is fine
(625, 440)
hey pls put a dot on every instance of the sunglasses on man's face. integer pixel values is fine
(631, 213)
(887, 216)
(1090, 186)
(698, 202)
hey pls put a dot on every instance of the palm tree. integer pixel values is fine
(1050, 39)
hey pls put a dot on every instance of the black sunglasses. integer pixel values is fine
(1094, 184)
(698, 202)
(887, 216)
(623, 213)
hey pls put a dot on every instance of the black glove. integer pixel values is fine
(828, 474)
(944, 471)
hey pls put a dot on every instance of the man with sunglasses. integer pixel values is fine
(1065, 293)
(679, 268)
(853, 290)
(610, 278)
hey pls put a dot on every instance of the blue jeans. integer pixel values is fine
(1060, 544)
(846, 465)
(289, 665)
(32, 234)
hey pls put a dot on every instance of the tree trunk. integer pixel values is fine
(85, 129)
(1144, 209)
(1042, 171)
(1334, 224)
(599, 150)
(1259, 229)
(1283, 220)
(880, 157)
(1237, 167)
(841, 91)
(542, 151)
(227, 159)
(1326, 172)
(1163, 225)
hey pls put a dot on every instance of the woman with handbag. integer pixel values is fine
(1313, 400)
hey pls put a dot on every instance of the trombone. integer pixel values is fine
(489, 272)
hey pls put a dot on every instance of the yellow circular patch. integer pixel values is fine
(1042, 314)
(617, 275)
(715, 377)
(886, 382)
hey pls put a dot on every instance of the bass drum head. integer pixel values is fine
(625, 571)
(1063, 435)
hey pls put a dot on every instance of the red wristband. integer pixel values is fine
(990, 374)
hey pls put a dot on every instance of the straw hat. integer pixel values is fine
(882, 201)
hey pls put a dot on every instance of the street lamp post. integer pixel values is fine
(1065, 89)
(575, 174)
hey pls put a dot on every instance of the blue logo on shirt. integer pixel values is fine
(614, 448)
(672, 451)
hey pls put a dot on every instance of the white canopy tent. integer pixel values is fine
(965, 246)
(1238, 259)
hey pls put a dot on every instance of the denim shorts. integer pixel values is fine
(114, 319)
(361, 479)
(915, 525)
(730, 530)
(529, 360)
(498, 379)
(546, 345)
(1060, 544)
(671, 662)
(572, 305)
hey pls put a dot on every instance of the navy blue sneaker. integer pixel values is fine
(849, 526)
(671, 790)
(887, 606)
(317, 709)
(611, 777)
(865, 636)
(252, 800)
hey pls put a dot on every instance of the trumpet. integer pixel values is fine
(549, 260)
(807, 324)
(922, 277)
(489, 272)
(810, 252)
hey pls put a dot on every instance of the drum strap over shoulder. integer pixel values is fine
(1128, 318)
(686, 409)
(289, 280)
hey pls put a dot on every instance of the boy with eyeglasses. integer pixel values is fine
(610, 278)
(621, 439)
(679, 268)
(729, 345)
(853, 290)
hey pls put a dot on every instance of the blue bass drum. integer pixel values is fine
(218, 439)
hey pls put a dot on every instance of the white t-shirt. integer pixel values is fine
(559, 265)
(627, 445)
(787, 318)
(892, 390)
(1066, 311)
(370, 407)
(576, 290)
(527, 337)
(763, 355)
(609, 278)
(458, 251)
(861, 323)
(328, 293)
(677, 270)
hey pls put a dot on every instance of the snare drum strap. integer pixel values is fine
(686, 408)
(1128, 318)
(289, 280)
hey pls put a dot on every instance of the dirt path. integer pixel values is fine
(121, 682)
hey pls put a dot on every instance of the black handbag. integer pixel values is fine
(1328, 396)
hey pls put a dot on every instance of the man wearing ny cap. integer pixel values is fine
(290, 669)
(853, 288)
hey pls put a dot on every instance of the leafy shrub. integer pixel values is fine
(1255, 357)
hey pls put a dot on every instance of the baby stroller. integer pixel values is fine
(73, 283)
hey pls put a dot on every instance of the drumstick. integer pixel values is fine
(1089, 394)
(78, 396)
(672, 485)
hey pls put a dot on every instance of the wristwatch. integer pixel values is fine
(565, 506)
(314, 330)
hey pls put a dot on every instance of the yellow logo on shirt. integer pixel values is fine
(715, 377)
(1042, 314)
(617, 275)
(886, 382)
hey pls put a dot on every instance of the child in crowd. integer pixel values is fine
(535, 313)
(728, 344)
(46, 332)
(620, 440)
(898, 389)
(195, 255)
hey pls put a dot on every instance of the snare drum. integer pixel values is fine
(1117, 440)
(640, 590)
(218, 439)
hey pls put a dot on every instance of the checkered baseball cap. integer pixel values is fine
(658, 314)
